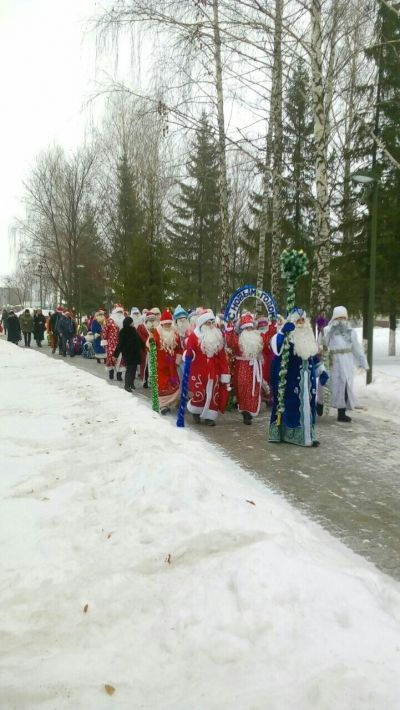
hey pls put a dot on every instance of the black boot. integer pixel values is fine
(196, 418)
(247, 418)
(119, 376)
(342, 416)
(145, 385)
(111, 374)
(127, 388)
(320, 409)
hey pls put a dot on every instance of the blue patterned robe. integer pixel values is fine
(298, 419)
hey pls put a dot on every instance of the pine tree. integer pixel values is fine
(297, 201)
(385, 153)
(387, 58)
(194, 231)
(250, 241)
(298, 205)
(129, 257)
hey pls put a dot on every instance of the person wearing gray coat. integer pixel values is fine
(26, 323)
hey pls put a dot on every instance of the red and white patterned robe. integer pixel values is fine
(110, 333)
(209, 377)
(247, 376)
(167, 372)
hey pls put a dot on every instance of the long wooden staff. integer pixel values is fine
(293, 265)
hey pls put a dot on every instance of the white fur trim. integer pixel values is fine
(203, 318)
(225, 379)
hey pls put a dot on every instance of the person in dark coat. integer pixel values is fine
(3, 321)
(13, 328)
(26, 323)
(66, 327)
(39, 324)
(131, 346)
(55, 338)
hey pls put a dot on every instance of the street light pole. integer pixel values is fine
(368, 180)
(372, 280)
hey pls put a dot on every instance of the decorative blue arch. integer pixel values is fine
(245, 292)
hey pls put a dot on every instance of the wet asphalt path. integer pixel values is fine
(350, 484)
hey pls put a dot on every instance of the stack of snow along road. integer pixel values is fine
(140, 568)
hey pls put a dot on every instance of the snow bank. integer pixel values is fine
(382, 396)
(135, 555)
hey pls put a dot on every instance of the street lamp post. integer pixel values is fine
(367, 180)
(80, 267)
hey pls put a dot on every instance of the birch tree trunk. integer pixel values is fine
(321, 281)
(277, 154)
(348, 210)
(226, 252)
(266, 204)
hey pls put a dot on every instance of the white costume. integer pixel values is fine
(345, 351)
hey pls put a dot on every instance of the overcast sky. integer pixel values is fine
(47, 60)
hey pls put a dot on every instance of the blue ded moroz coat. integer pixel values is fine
(298, 419)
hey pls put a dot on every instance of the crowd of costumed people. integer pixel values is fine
(199, 363)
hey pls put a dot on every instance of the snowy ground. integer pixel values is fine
(136, 556)
(382, 396)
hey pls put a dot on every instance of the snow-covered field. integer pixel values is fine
(382, 396)
(135, 556)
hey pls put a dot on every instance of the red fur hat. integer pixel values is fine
(246, 321)
(166, 317)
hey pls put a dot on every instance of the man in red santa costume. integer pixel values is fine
(144, 330)
(209, 372)
(247, 350)
(169, 354)
(109, 340)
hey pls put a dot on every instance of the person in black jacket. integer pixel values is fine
(131, 346)
(13, 328)
(53, 330)
(39, 324)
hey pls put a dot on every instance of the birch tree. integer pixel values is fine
(277, 100)
(321, 281)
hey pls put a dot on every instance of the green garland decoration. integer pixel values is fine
(294, 265)
(155, 403)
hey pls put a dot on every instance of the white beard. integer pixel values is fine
(182, 326)
(250, 343)
(137, 319)
(167, 339)
(118, 318)
(211, 340)
(304, 342)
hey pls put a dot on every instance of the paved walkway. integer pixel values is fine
(350, 484)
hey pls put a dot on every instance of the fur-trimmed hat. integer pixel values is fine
(263, 322)
(166, 317)
(180, 312)
(246, 321)
(339, 312)
(204, 318)
(295, 314)
(149, 316)
(118, 308)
